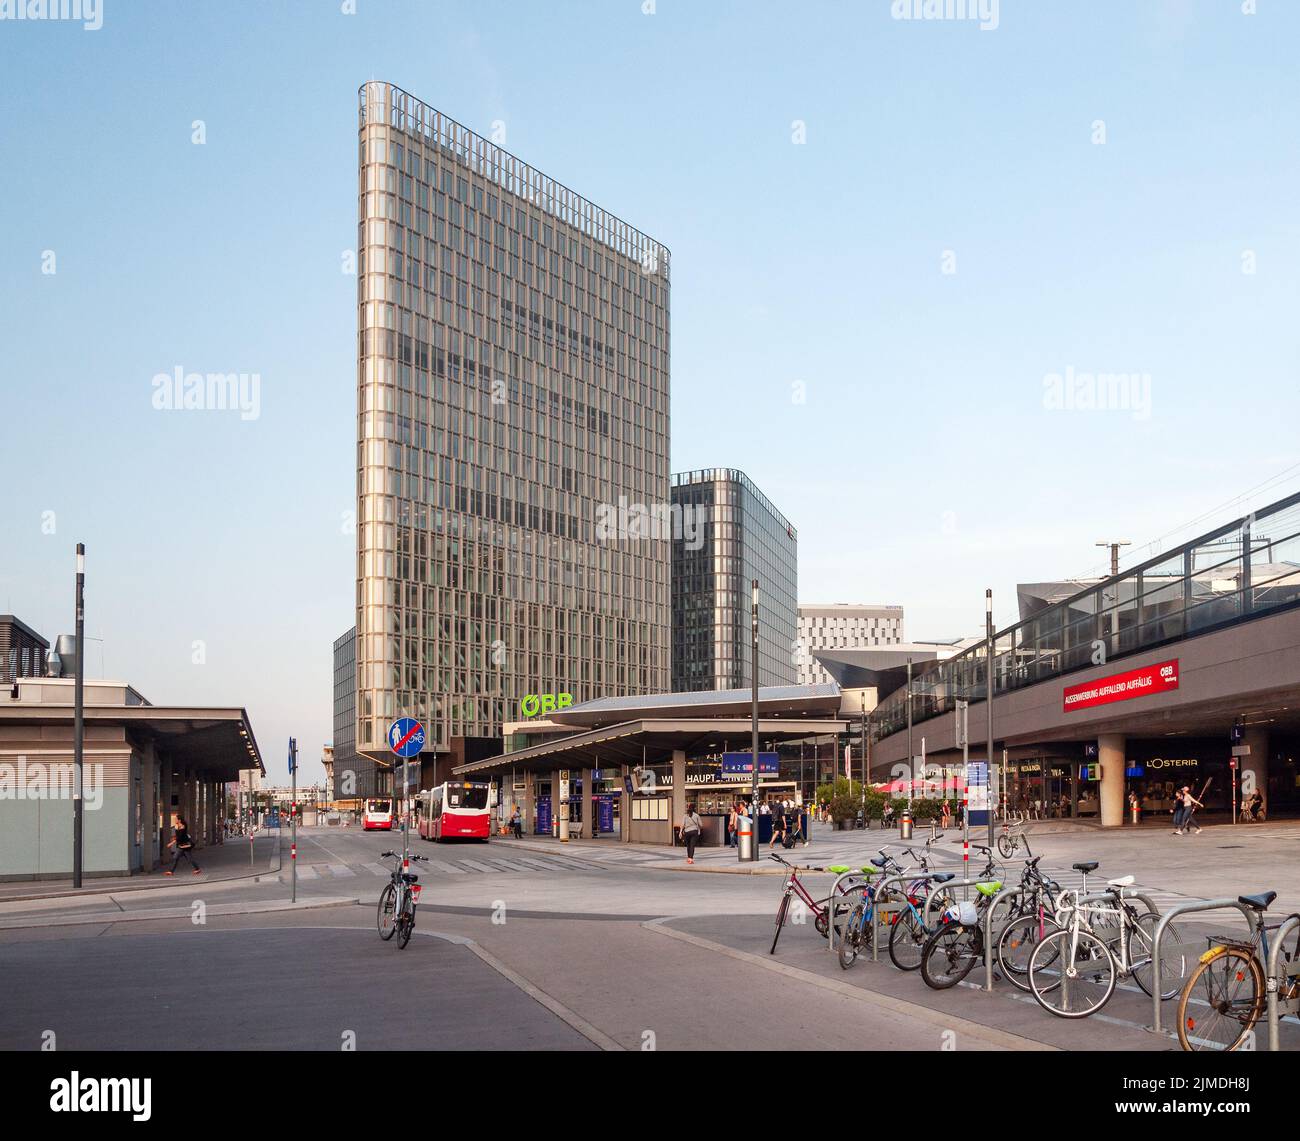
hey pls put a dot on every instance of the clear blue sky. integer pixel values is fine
(923, 465)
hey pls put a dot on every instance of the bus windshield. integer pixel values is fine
(475, 796)
(378, 806)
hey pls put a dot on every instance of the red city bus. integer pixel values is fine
(377, 815)
(456, 810)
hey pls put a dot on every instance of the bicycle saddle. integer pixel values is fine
(1259, 902)
(943, 877)
(1086, 866)
(1120, 881)
(991, 888)
(410, 877)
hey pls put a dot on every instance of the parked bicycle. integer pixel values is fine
(1073, 970)
(820, 909)
(1012, 837)
(1225, 995)
(398, 899)
(1031, 918)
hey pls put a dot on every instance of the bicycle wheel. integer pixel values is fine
(1222, 1001)
(387, 912)
(950, 954)
(405, 925)
(1072, 974)
(853, 938)
(1019, 941)
(907, 940)
(1173, 962)
(780, 920)
(1006, 847)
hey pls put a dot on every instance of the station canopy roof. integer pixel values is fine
(647, 729)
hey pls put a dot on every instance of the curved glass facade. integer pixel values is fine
(1244, 569)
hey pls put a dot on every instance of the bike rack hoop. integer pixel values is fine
(1275, 979)
(1192, 906)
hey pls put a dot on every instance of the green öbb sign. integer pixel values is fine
(535, 703)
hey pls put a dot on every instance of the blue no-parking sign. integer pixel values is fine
(406, 737)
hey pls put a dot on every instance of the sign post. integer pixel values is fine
(962, 739)
(293, 820)
(563, 807)
(406, 740)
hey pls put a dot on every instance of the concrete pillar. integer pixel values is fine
(679, 788)
(528, 809)
(1252, 771)
(624, 807)
(588, 816)
(164, 805)
(1111, 754)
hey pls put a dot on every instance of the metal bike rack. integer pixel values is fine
(1190, 907)
(830, 902)
(877, 908)
(1279, 1006)
(1005, 893)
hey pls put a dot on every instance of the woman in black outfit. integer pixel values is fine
(183, 844)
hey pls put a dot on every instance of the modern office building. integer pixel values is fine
(726, 535)
(843, 626)
(513, 399)
(354, 776)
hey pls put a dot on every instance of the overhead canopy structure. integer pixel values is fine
(649, 729)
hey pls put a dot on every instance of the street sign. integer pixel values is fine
(406, 737)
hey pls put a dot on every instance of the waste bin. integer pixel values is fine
(905, 825)
(745, 838)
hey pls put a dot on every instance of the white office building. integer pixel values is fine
(843, 626)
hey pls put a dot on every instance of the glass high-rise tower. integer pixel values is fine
(513, 380)
(734, 536)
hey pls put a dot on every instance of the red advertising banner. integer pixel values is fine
(1159, 678)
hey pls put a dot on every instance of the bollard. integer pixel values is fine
(905, 825)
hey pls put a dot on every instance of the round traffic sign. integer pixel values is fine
(406, 737)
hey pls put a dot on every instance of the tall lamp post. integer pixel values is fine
(988, 703)
(911, 758)
(79, 720)
(753, 776)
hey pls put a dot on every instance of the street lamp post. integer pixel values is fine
(753, 776)
(911, 758)
(79, 721)
(988, 704)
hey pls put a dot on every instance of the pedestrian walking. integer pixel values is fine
(946, 816)
(732, 819)
(517, 823)
(778, 827)
(1190, 805)
(184, 845)
(691, 828)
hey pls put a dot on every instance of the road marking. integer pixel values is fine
(451, 869)
(479, 867)
(305, 872)
(340, 870)
(376, 869)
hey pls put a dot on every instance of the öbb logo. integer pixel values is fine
(535, 703)
(1166, 671)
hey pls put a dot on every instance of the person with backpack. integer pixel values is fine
(516, 823)
(692, 826)
(184, 845)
